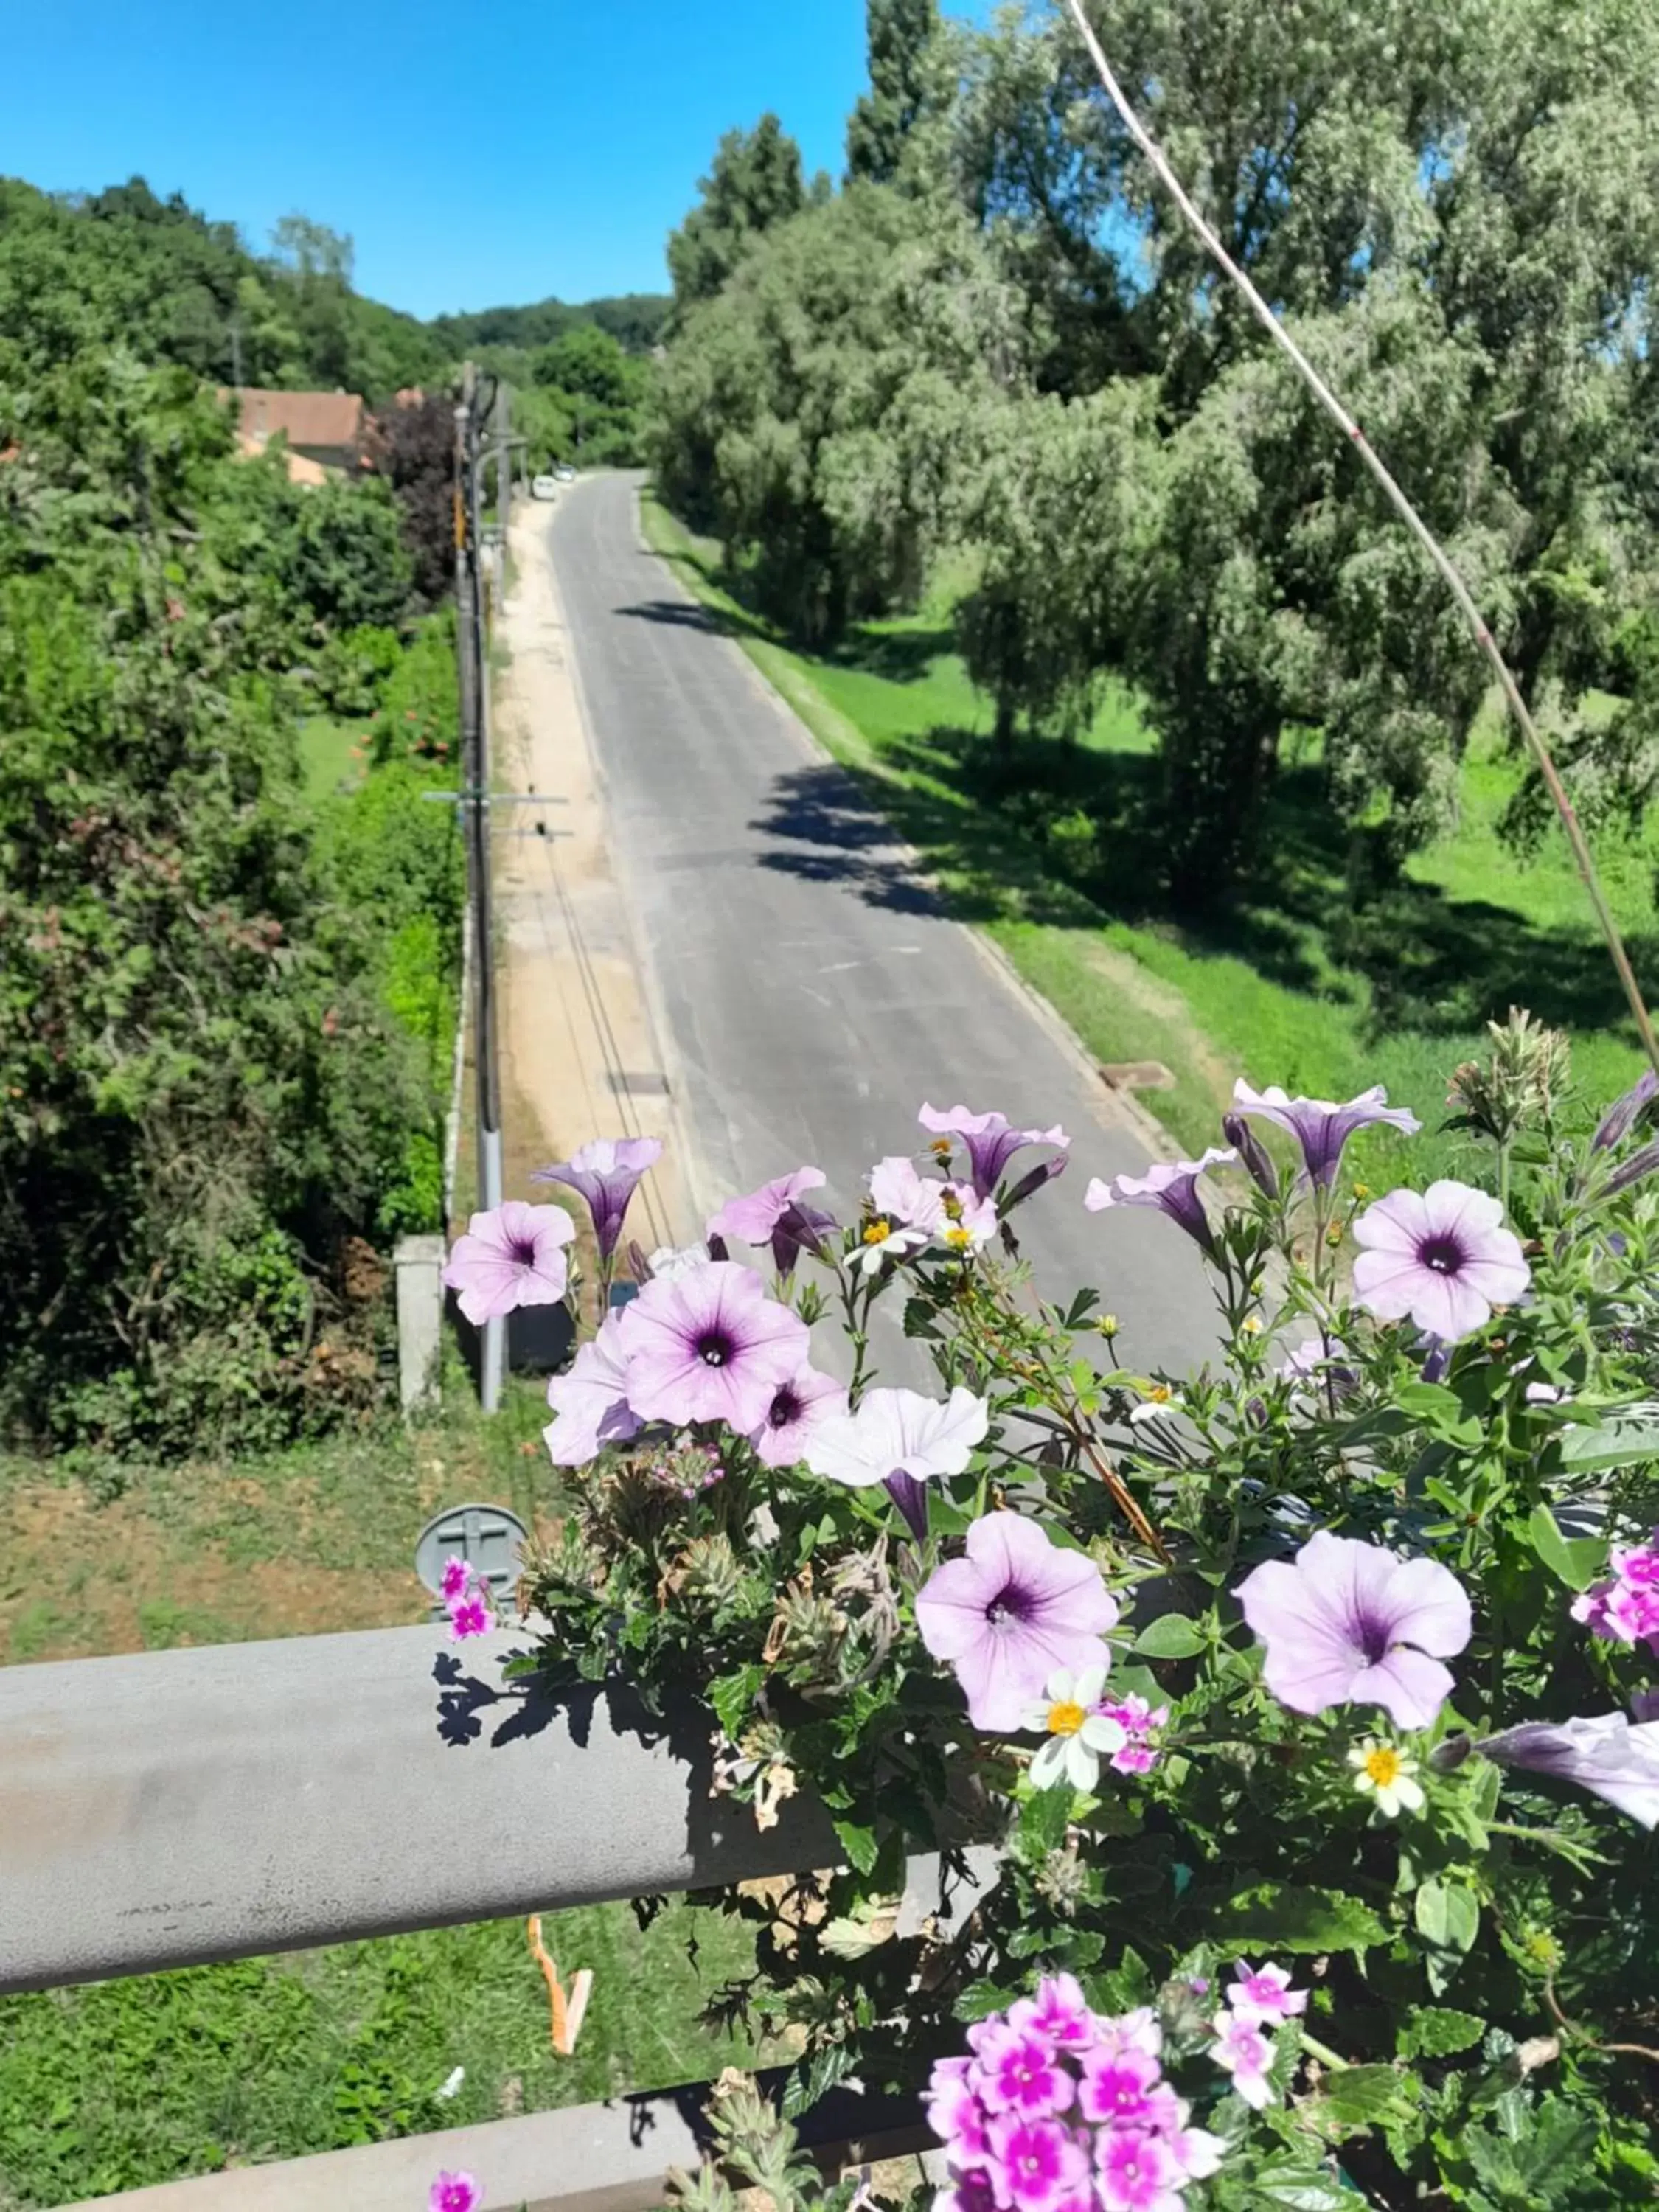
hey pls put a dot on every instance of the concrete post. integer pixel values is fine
(419, 1261)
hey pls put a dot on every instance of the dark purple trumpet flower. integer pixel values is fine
(1171, 1186)
(1621, 1117)
(1258, 1160)
(990, 1141)
(1319, 1126)
(911, 1500)
(1615, 1758)
(606, 1173)
(776, 1214)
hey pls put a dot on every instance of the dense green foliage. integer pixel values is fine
(214, 1074)
(754, 184)
(635, 319)
(586, 402)
(1458, 216)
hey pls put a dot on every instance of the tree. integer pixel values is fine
(754, 182)
(416, 456)
(899, 35)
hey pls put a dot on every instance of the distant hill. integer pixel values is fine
(635, 319)
(126, 266)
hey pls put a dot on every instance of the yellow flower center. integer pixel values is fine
(1066, 1718)
(879, 1232)
(940, 1148)
(1159, 1395)
(1384, 1765)
(958, 1239)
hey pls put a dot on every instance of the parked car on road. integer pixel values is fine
(544, 488)
(565, 473)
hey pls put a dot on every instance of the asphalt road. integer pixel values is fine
(813, 991)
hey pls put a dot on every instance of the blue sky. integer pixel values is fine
(550, 153)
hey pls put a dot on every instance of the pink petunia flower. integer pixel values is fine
(990, 1138)
(799, 1411)
(1035, 2164)
(1348, 1624)
(1264, 1994)
(955, 2113)
(1059, 2012)
(456, 1575)
(1171, 1186)
(1009, 1614)
(591, 1402)
(454, 2192)
(1441, 1256)
(512, 1256)
(777, 1214)
(1019, 2072)
(1612, 1757)
(1135, 2172)
(606, 1173)
(1130, 2031)
(1140, 1723)
(710, 1346)
(470, 1615)
(1116, 2088)
(1241, 2050)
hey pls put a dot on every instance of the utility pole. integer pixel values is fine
(503, 467)
(235, 354)
(471, 653)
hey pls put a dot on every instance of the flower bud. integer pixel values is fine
(1253, 1153)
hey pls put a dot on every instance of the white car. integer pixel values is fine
(543, 487)
(565, 473)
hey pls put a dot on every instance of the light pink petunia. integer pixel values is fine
(1441, 1256)
(799, 1411)
(591, 1400)
(1346, 1623)
(1319, 1126)
(1241, 2050)
(1135, 2170)
(1264, 1994)
(709, 1345)
(1009, 1614)
(903, 1439)
(1609, 1755)
(511, 1257)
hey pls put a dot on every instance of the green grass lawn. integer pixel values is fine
(333, 753)
(1054, 856)
(126, 2083)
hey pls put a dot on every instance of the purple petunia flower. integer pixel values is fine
(991, 1141)
(1621, 1117)
(1011, 1612)
(1171, 1185)
(454, 2192)
(591, 1402)
(709, 1345)
(1642, 1162)
(511, 1257)
(1256, 1159)
(776, 1214)
(1441, 1256)
(606, 1173)
(900, 1439)
(1615, 1758)
(1348, 1624)
(798, 1410)
(1319, 1126)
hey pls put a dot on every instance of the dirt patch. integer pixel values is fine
(1130, 980)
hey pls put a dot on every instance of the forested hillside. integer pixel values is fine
(994, 360)
(226, 993)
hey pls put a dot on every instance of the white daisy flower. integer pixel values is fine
(884, 1239)
(1385, 1773)
(1078, 1737)
(1159, 1402)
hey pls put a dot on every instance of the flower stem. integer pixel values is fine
(1583, 857)
(1323, 2053)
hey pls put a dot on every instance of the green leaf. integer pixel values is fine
(1172, 1635)
(1435, 2031)
(1356, 2098)
(858, 1842)
(1283, 1917)
(1449, 1915)
(1575, 1561)
(733, 1696)
(1300, 2189)
(1625, 1439)
(1429, 1402)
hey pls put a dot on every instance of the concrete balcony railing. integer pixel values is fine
(183, 1807)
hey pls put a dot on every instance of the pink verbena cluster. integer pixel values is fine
(1624, 1609)
(1140, 1723)
(1259, 1999)
(1058, 2108)
(466, 1599)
